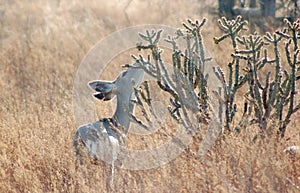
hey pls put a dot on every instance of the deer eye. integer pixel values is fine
(133, 81)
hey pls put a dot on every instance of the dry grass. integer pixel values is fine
(42, 45)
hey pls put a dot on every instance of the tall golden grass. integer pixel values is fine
(42, 44)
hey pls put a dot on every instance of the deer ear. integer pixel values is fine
(101, 86)
(104, 89)
(99, 96)
(104, 96)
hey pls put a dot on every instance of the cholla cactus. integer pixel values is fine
(277, 92)
(271, 98)
(231, 29)
(187, 83)
(292, 34)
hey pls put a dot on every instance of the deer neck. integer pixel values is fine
(121, 115)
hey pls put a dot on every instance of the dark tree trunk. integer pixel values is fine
(252, 3)
(296, 10)
(268, 7)
(225, 6)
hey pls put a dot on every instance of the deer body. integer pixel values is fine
(102, 138)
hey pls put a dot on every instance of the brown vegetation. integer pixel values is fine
(42, 44)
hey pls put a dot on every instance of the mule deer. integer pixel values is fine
(102, 138)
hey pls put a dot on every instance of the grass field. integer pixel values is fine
(42, 45)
